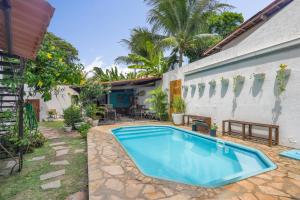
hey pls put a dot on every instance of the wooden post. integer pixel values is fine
(244, 131)
(21, 110)
(270, 136)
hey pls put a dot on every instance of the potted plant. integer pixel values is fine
(179, 107)
(158, 100)
(72, 115)
(213, 130)
(91, 112)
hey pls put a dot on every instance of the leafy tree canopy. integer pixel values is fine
(57, 63)
(224, 23)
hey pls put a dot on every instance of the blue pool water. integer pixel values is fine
(178, 155)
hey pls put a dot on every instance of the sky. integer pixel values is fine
(95, 27)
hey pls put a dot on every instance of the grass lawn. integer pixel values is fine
(26, 185)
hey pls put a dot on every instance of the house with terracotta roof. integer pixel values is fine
(239, 78)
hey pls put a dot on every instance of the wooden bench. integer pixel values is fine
(250, 126)
(194, 118)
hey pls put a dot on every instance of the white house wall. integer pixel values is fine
(58, 102)
(257, 101)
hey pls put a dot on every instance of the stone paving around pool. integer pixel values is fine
(113, 175)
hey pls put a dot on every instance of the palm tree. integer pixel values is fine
(184, 21)
(152, 64)
(108, 75)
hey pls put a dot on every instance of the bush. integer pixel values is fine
(84, 129)
(72, 115)
(158, 103)
(91, 111)
(178, 105)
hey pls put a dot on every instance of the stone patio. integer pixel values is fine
(113, 175)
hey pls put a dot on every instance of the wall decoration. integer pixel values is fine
(224, 81)
(238, 81)
(201, 88)
(212, 83)
(282, 76)
(259, 76)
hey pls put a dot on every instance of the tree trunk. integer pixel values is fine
(180, 58)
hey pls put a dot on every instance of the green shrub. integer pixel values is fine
(84, 129)
(91, 111)
(72, 115)
(158, 103)
(178, 105)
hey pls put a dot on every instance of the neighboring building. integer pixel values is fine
(259, 46)
(125, 94)
(59, 102)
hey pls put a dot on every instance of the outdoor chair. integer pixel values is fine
(110, 113)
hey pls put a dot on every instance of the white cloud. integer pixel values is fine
(98, 62)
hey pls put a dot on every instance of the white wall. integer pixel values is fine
(59, 102)
(257, 102)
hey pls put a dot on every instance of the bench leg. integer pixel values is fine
(250, 130)
(244, 131)
(229, 128)
(223, 128)
(270, 137)
(277, 136)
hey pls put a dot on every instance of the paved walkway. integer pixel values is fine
(113, 175)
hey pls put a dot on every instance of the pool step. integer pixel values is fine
(134, 136)
(139, 131)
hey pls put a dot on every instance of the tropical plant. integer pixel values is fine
(158, 101)
(154, 64)
(91, 92)
(57, 63)
(91, 110)
(72, 115)
(111, 74)
(178, 105)
(184, 21)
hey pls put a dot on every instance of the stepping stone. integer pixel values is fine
(53, 137)
(61, 162)
(79, 150)
(38, 158)
(57, 144)
(52, 174)
(59, 147)
(51, 185)
(10, 164)
(62, 152)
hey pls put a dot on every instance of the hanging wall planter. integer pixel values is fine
(201, 88)
(224, 81)
(282, 77)
(259, 76)
(212, 83)
(238, 81)
(185, 88)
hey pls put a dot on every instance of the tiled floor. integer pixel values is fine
(113, 175)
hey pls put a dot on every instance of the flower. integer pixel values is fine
(49, 55)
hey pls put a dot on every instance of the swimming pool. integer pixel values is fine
(178, 155)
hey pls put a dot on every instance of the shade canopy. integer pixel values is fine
(23, 24)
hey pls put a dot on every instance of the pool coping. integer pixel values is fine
(267, 161)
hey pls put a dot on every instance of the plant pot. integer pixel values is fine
(177, 118)
(213, 133)
(95, 122)
(68, 129)
(77, 125)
